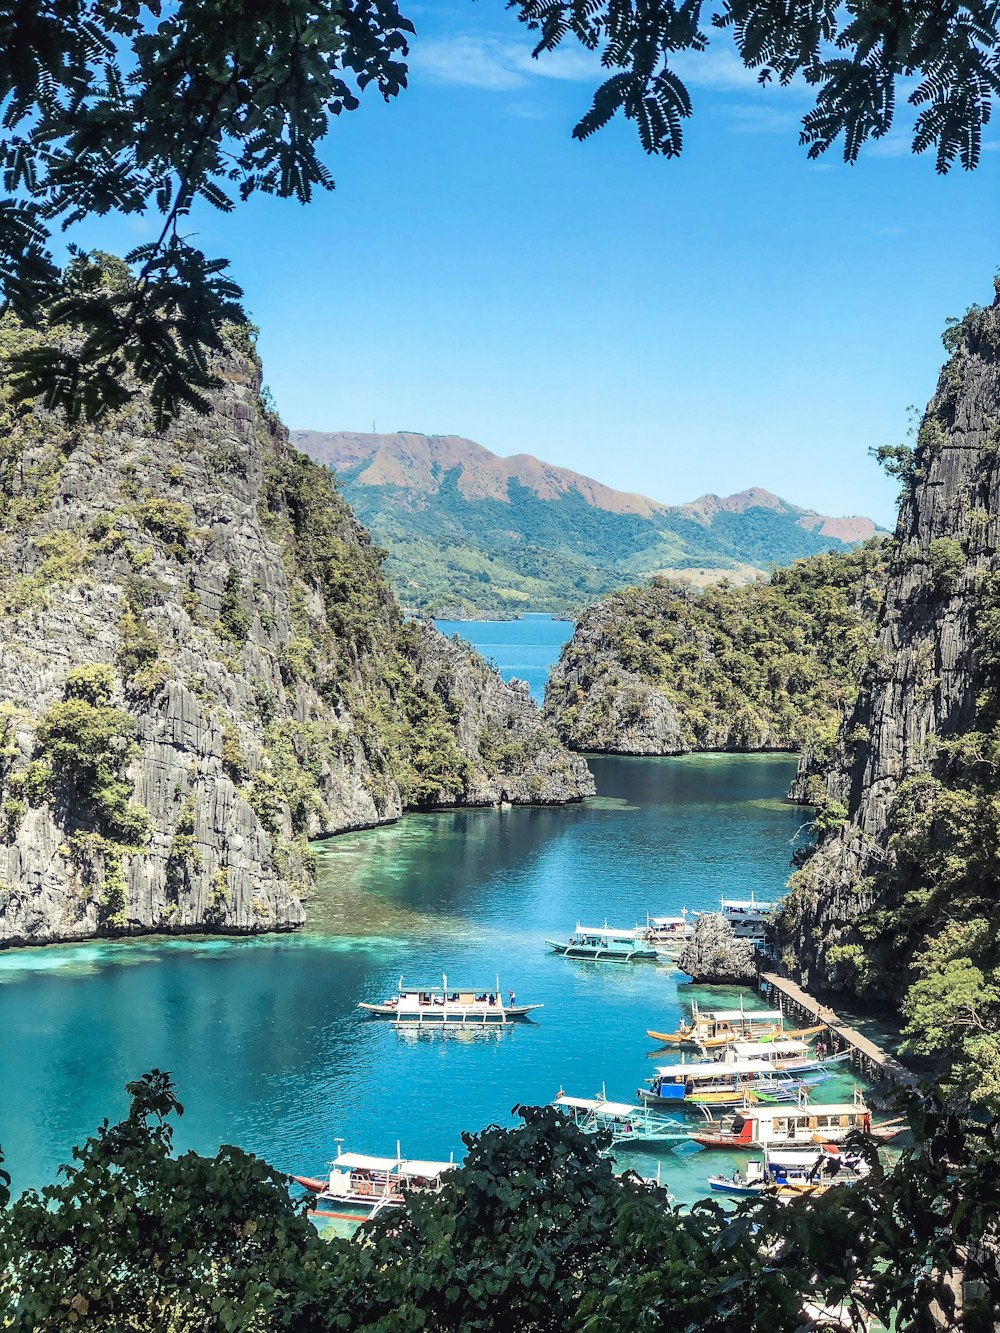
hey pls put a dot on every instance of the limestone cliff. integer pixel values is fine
(903, 811)
(665, 669)
(202, 667)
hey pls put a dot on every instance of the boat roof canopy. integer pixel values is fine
(793, 1158)
(429, 1169)
(747, 1015)
(578, 1103)
(616, 1108)
(356, 1161)
(716, 1069)
(668, 920)
(803, 1112)
(623, 932)
(769, 1048)
(745, 904)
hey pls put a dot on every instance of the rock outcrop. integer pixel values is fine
(918, 693)
(202, 667)
(715, 956)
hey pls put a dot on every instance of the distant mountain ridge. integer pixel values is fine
(471, 533)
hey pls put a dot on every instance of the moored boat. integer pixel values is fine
(788, 1173)
(449, 1004)
(605, 944)
(669, 935)
(715, 1028)
(791, 1056)
(747, 917)
(627, 1124)
(718, 1083)
(360, 1185)
(794, 1126)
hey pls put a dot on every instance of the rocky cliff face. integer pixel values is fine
(849, 917)
(202, 667)
(715, 956)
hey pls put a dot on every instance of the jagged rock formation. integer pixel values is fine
(664, 669)
(715, 955)
(851, 920)
(202, 666)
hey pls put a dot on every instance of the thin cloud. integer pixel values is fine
(495, 65)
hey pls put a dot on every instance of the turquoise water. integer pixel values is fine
(526, 648)
(263, 1037)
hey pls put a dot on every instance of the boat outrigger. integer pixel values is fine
(359, 1186)
(449, 1004)
(606, 944)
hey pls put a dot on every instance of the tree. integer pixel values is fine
(145, 107)
(534, 1231)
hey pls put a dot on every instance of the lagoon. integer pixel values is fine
(263, 1037)
(527, 648)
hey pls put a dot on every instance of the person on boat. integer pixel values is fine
(493, 998)
(511, 997)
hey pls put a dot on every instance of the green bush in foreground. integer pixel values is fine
(533, 1232)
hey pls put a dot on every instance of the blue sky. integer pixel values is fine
(736, 317)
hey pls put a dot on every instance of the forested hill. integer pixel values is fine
(664, 669)
(469, 533)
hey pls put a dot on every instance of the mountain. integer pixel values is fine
(768, 666)
(203, 667)
(469, 533)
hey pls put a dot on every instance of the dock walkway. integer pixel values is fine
(873, 1061)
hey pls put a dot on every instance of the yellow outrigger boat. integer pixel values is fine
(711, 1029)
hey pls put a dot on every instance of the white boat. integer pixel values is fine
(787, 1173)
(446, 1004)
(802, 1126)
(627, 1124)
(668, 934)
(748, 917)
(605, 944)
(718, 1083)
(789, 1056)
(359, 1185)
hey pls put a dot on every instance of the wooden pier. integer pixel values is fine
(873, 1062)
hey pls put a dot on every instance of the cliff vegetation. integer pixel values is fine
(664, 669)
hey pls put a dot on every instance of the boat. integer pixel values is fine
(669, 935)
(747, 917)
(449, 1004)
(788, 1173)
(627, 1124)
(790, 1056)
(715, 1028)
(795, 1126)
(606, 944)
(718, 1083)
(359, 1185)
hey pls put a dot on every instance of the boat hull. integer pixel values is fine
(449, 1014)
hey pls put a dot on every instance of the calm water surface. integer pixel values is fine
(263, 1037)
(526, 648)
